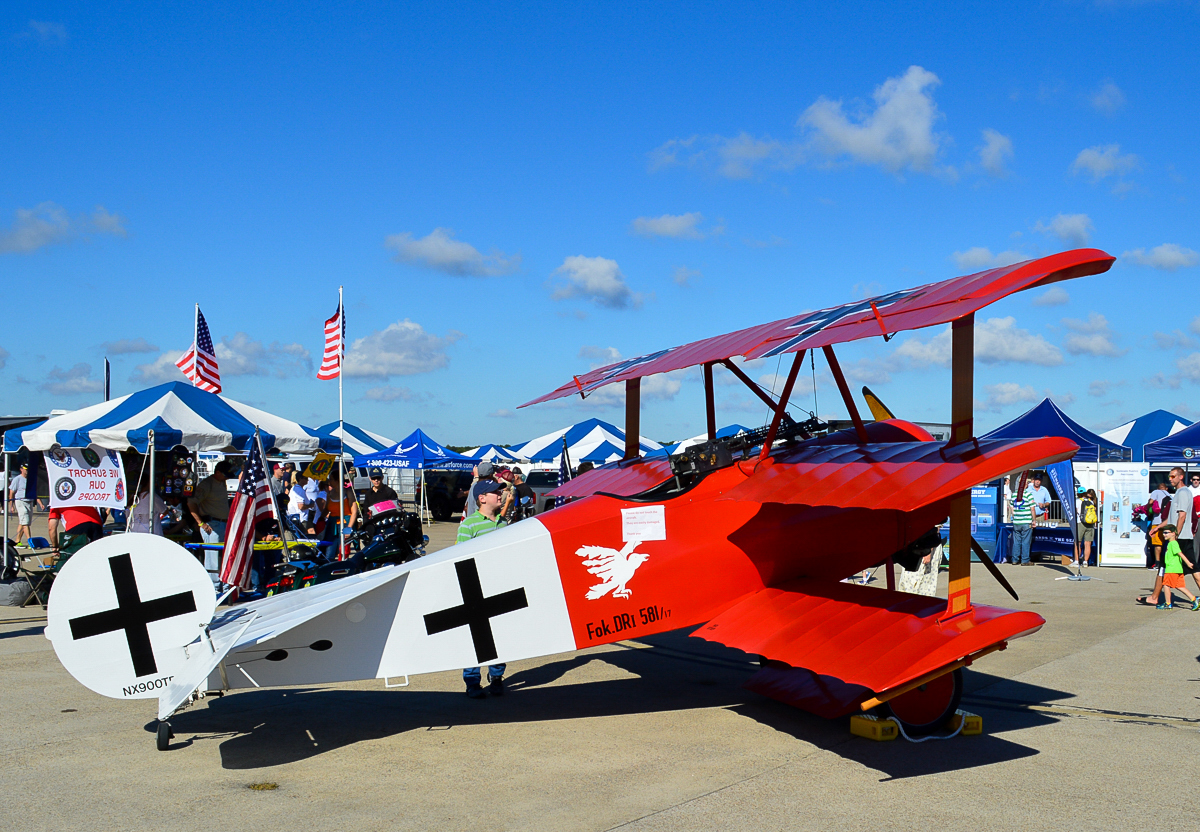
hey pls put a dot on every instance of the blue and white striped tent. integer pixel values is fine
(582, 439)
(357, 440)
(1147, 428)
(722, 433)
(179, 414)
(494, 453)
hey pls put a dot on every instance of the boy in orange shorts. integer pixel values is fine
(1173, 571)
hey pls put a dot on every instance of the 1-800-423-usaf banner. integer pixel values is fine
(88, 476)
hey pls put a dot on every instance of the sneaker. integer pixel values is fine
(1162, 607)
(1196, 605)
(496, 685)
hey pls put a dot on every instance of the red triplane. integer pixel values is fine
(747, 538)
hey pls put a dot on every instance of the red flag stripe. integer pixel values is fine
(335, 333)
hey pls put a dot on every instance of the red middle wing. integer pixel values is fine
(899, 476)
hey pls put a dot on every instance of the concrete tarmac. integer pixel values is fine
(1092, 723)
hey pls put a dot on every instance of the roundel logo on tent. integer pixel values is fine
(60, 458)
(1188, 453)
(65, 488)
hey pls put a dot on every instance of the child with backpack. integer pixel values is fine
(1173, 570)
(1088, 519)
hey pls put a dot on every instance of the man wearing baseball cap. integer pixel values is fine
(23, 505)
(488, 495)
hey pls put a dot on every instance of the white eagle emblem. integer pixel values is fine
(614, 568)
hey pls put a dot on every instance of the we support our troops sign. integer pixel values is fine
(88, 476)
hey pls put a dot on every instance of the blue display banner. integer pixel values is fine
(1062, 477)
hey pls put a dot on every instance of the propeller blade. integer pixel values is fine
(878, 409)
(991, 567)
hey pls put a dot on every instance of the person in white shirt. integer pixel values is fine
(145, 511)
(299, 504)
(1041, 498)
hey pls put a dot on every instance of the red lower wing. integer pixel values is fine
(856, 640)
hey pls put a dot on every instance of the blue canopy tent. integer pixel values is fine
(417, 452)
(1182, 448)
(1146, 429)
(1047, 420)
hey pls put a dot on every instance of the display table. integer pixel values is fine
(1052, 541)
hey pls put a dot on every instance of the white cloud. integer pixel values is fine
(597, 279)
(391, 393)
(995, 152)
(4, 354)
(1099, 388)
(48, 223)
(679, 226)
(160, 370)
(403, 348)
(897, 134)
(1173, 339)
(1075, 229)
(441, 252)
(241, 355)
(73, 381)
(1167, 257)
(1108, 99)
(1091, 337)
(46, 31)
(602, 356)
(1000, 396)
(773, 241)
(997, 341)
(124, 346)
(1054, 296)
(1103, 160)
(661, 386)
(683, 276)
(734, 157)
(502, 413)
(982, 258)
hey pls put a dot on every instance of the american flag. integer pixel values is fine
(251, 503)
(200, 363)
(335, 337)
(564, 473)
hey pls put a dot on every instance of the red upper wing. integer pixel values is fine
(929, 305)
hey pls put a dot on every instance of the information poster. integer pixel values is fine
(88, 476)
(983, 516)
(1123, 485)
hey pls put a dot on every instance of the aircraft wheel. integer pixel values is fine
(926, 708)
(164, 736)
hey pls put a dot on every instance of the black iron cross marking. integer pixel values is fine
(475, 611)
(132, 615)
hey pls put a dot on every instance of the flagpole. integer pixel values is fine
(341, 430)
(195, 349)
(287, 554)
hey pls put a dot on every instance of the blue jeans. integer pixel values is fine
(1022, 538)
(472, 676)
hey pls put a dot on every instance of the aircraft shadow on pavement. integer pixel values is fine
(27, 631)
(271, 727)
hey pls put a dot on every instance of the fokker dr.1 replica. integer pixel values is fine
(746, 539)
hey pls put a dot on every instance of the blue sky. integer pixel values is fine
(513, 197)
